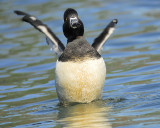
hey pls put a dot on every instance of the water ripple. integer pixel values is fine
(27, 83)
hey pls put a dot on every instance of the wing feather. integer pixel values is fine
(52, 40)
(103, 37)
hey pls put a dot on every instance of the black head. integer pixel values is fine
(73, 26)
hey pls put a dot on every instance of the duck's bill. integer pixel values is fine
(74, 22)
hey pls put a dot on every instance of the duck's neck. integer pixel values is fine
(71, 39)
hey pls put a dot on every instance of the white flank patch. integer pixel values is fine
(111, 30)
(33, 18)
(80, 81)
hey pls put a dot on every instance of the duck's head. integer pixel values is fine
(73, 26)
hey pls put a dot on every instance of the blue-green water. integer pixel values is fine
(131, 96)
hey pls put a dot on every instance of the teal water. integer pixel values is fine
(131, 96)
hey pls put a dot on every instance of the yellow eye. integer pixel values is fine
(66, 19)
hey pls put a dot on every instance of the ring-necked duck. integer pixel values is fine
(80, 70)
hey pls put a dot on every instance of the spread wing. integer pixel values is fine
(102, 38)
(52, 40)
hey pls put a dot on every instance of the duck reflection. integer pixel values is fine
(91, 115)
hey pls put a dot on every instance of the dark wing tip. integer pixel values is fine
(20, 12)
(115, 21)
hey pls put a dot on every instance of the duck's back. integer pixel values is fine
(80, 73)
(79, 49)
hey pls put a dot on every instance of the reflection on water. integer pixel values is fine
(132, 55)
(90, 115)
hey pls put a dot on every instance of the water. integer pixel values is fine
(131, 96)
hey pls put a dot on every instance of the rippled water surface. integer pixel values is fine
(131, 96)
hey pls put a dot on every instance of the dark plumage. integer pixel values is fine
(78, 49)
(72, 31)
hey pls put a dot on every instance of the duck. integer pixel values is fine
(80, 70)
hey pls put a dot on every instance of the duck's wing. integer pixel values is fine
(52, 40)
(102, 38)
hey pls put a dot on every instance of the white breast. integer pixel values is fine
(80, 81)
